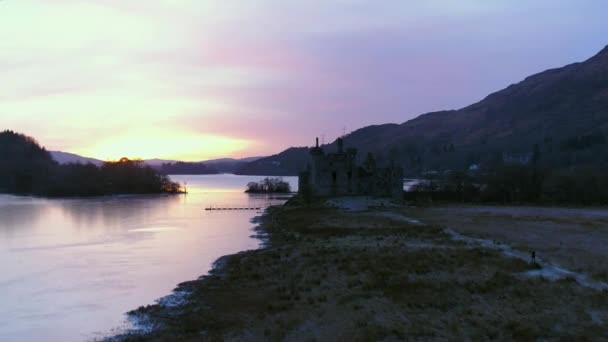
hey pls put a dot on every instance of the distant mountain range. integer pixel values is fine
(223, 165)
(159, 162)
(287, 163)
(561, 113)
(66, 158)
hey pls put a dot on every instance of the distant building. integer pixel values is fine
(517, 158)
(337, 174)
(474, 170)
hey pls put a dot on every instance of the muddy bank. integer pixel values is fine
(373, 274)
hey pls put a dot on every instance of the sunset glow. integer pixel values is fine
(261, 170)
(163, 144)
(200, 79)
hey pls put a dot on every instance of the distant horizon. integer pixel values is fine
(245, 156)
(204, 80)
(153, 159)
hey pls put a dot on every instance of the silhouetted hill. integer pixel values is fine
(157, 163)
(66, 158)
(286, 163)
(27, 168)
(166, 166)
(229, 165)
(183, 168)
(563, 112)
(213, 166)
(230, 160)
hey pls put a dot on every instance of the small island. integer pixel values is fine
(269, 185)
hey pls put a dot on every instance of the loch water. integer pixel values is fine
(71, 268)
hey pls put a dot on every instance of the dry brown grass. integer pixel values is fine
(573, 238)
(330, 275)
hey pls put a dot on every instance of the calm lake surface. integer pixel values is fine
(71, 268)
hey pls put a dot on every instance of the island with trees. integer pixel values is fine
(269, 185)
(27, 168)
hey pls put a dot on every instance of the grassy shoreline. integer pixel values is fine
(330, 274)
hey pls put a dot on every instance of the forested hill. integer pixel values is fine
(67, 158)
(287, 163)
(27, 168)
(562, 113)
(183, 168)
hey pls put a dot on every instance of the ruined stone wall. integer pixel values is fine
(337, 174)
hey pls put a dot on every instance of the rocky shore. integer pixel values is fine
(374, 273)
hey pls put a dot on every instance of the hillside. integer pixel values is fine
(25, 166)
(212, 166)
(286, 163)
(184, 168)
(563, 113)
(229, 165)
(66, 158)
(28, 168)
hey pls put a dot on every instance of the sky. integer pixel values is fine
(196, 79)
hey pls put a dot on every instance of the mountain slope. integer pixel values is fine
(562, 113)
(547, 109)
(287, 163)
(185, 168)
(229, 165)
(223, 165)
(25, 166)
(158, 162)
(66, 158)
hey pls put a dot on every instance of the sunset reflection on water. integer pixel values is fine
(72, 267)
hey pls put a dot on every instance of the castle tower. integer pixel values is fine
(317, 156)
(338, 174)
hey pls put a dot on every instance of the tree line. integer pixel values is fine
(269, 185)
(27, 168)
(519, 184)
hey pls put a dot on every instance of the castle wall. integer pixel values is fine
(336, 174)
(333, 175)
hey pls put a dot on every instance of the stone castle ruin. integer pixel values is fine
(337, 174)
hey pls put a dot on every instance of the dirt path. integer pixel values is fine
(575, 239)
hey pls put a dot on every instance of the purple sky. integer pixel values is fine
(201, 79)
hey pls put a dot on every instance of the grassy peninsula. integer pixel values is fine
(379, 271)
